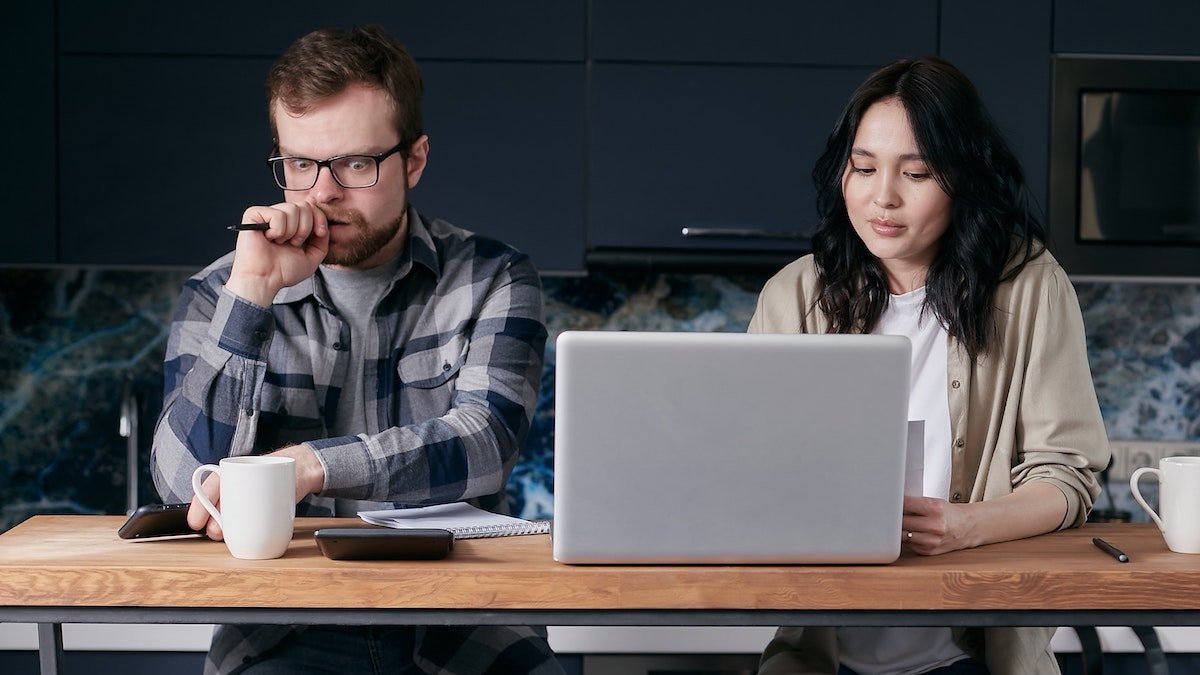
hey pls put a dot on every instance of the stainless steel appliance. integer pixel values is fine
(1125, 165)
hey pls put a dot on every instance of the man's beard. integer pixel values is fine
(366, 242)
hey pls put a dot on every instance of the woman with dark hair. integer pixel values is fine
(926, 230)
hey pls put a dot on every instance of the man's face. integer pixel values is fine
(366, 225)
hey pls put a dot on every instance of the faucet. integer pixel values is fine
(128, 428)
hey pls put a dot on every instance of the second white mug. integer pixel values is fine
(258, 503)
(1178, 513)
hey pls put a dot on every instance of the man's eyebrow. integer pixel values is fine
(362, 153)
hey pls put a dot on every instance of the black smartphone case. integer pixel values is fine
(381, 543)
(156, 520)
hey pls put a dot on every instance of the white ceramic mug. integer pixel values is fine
(258, 503)
(1178, 501)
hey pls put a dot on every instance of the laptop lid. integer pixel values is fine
(729, 447)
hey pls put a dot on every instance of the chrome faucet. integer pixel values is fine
(128, 428)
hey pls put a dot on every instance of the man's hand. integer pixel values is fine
(284, 255)
(198, 517)
(310, 478)
(310, 473)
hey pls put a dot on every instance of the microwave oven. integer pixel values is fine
(1125, 166)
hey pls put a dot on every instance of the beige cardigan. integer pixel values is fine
(1025, 411)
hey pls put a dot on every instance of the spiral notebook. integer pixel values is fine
(460, 518)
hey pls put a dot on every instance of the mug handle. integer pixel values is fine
(197, 478)
(1137, 495)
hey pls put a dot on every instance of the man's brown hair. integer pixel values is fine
(324, 62)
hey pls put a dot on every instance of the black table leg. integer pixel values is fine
(50, 648)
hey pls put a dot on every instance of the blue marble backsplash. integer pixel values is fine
(72, 341)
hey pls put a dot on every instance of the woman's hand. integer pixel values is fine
(938, 526)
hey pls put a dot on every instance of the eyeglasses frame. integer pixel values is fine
(328, 164)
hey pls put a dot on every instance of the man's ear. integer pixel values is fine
(418, 155)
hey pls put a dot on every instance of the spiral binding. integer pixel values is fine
(507, 530)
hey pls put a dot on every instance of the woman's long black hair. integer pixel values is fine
(993, 229)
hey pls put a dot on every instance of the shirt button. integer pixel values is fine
(339, 347)
(955, 384)
(249, 412)
(959, 443)
(957, 496)
(446, 366)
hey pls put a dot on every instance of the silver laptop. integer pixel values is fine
(729, 448)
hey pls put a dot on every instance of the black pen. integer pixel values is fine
(1110, 549)
(241, 227)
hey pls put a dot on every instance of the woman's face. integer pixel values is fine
(897, 208)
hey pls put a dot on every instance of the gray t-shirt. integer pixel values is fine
(356, 294)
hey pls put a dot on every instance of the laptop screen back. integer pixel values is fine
(729, 448)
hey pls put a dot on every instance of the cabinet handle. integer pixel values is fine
(742, 233)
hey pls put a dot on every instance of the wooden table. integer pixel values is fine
(66, 569)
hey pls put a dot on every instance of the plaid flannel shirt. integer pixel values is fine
(452, 371)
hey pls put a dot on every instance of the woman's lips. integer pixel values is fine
(885, 227)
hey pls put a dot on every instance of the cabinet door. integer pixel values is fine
(1117, 27)
(1012, 76)
(158, 156)
(865, 32)
(506, 155)
(27, 170)
(466, 29)
(710, 147)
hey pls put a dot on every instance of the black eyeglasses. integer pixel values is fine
(350, 171)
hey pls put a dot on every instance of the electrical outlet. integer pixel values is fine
(1131, 455)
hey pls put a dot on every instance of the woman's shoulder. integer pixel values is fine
(786, 299)
(1041, 277)
(798, 275)
(1040, 267)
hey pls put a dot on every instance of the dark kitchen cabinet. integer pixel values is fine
(27, 118)
(708, 147)
(1010, 66)
(1160, 27)
(163, 129)
(506, 155)
(868, 32)
(562, 127)
(533, 30)
(158, 155)
(709, 116)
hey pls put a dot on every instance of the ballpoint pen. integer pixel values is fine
(1110, 549)
(241, 227)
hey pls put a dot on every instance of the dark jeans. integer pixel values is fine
(341, 650)
(963, 667)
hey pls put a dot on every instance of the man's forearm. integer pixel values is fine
(206, 412)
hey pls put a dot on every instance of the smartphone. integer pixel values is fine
(383, 543)
(156, 520)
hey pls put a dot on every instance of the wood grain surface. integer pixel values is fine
(79, 561)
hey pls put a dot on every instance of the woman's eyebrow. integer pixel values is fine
(906, 157)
